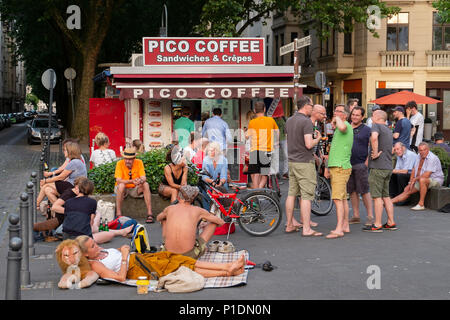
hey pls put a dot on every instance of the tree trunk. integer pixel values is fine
(80, 127)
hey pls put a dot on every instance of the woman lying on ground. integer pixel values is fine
(55, 186)
(120, 264)
(80, 214)
(175, 174)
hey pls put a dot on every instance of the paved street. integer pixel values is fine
(413, 261)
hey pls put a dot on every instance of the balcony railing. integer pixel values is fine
(397, 59)
(438, 58)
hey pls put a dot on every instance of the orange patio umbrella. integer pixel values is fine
(404, 97)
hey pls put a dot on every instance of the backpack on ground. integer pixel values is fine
(140, 241)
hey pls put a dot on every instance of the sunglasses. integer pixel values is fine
(130, 174)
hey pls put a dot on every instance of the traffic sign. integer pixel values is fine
(303, 42)
(49, 79)
(320, 79)
(70, 73)
(287, 48)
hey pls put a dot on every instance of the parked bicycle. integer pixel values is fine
(257, 211)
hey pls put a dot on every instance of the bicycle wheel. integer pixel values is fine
(260, 213)
(322, 203)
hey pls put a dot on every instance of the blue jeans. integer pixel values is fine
(205, 199)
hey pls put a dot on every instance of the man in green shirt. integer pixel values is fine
(340, 168)
(183, 127)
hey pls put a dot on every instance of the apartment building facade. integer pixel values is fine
(412, 53)
(12, 76)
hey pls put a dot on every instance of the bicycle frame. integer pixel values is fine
(215, 195)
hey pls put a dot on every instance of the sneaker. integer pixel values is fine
(214, 245)
(226, 247)
(418, 208)
(372, 228)
(354, 220)
(389, 227)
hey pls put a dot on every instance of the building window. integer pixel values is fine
(294, 35)
(347, 43)
(398, 32)
(277, 51)
(281, 44)
(327, 45)
(348, 34)
(441, 34)
(307, 57)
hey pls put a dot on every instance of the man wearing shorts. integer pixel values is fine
(263, 132)
(358, 183)
(380, 164)
(427, 173)
(302, 170)
(179, 225)
(131, 180)
(339, 169)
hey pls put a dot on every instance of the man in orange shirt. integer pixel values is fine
(263, 133)
(131, 180)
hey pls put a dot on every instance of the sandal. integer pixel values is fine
(296, 229)
(314, 234)
(150, 219)
(333, 235)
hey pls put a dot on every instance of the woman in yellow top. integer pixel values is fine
(263, 132)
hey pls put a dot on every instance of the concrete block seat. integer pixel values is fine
(435, 199)
(135, 208)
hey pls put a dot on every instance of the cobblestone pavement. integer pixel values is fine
(16, 166)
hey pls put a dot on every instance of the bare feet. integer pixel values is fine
(334, 235)
(237, 266)
(126, 231)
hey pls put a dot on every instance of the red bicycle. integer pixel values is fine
(257, 211)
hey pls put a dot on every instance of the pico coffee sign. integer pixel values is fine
(203, 51)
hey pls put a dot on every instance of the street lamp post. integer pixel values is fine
(164, 31)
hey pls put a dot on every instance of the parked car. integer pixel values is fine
(6, 120)
(28, 115)
(38, 124)
(20, 117)
(2, 123)
(12, 118)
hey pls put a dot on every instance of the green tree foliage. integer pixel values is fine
(31, 99)
(110, 31)
(443, 7)
(221, 17)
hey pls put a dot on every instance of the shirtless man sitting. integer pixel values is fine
(179, 225)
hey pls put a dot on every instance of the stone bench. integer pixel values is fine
(136, 208)
(436, 198)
